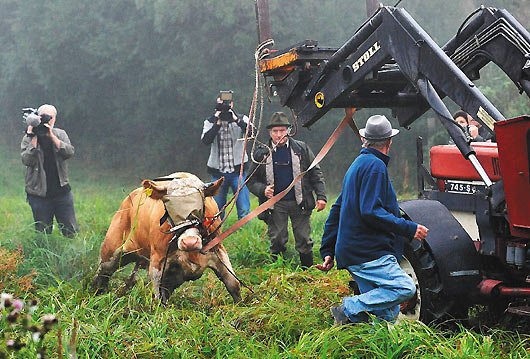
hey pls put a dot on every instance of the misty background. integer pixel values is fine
(133, 80)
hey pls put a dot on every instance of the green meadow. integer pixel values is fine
(284, 313)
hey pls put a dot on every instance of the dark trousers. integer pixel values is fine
(61, 207)
(278, 228)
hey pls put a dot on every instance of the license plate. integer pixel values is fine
(460, 187)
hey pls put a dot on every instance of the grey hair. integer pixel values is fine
(379, 144)
(48, 110)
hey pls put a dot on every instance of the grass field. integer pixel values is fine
(286, 315)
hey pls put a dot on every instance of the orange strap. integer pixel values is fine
(346, 121)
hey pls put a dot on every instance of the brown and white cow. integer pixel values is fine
(136, 235)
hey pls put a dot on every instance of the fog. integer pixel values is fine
(133, 80)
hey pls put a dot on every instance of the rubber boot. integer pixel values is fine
(306, 260)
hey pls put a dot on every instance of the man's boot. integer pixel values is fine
(306, 260)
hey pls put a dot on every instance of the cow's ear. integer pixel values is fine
(153, 190)
(211, 189)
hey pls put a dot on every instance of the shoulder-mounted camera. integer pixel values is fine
(33, 119)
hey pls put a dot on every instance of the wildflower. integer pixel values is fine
(33, 306)
(48, 321)
(35, 336)
(13, 316)
(14, 344)
(18, 304)
(5, 300)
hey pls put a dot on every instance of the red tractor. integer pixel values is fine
(477, 200)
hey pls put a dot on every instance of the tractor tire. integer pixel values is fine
(429, 304)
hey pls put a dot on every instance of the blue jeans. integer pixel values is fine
(61, 207)
(243, 199)
(383, 286)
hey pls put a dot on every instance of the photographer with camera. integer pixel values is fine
(471, 132)
(224, 132)
(44, 151)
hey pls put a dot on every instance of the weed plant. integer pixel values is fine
(284, 315)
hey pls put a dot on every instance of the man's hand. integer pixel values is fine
(421, 232)
(33, 141)
(327, 265)
(473, 131)
(321, 204)
(234, 116)
(269, 191)
(52, 136)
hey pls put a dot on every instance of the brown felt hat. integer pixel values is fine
(278, 119)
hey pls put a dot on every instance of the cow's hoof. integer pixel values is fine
(100, 285)
(99, 291)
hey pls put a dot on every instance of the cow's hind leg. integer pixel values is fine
(223, 269)
(132, 278)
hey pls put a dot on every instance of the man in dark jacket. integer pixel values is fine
(364, 232)
(44, 151)
(279, 163)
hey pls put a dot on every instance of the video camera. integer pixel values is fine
(226, 98)
(33, 119)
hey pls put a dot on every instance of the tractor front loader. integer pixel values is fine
(477, 200)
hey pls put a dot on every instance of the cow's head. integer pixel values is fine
(184, 199)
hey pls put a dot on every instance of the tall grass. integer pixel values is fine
(286, 315)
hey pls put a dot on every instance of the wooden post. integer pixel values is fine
(263, 20)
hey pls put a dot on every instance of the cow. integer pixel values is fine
(170, 248)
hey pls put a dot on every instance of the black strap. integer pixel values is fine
(164, 218)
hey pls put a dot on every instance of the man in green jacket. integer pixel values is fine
(44, 151)
(278, 164)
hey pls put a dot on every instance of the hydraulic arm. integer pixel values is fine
(491, 35)
(389, 62)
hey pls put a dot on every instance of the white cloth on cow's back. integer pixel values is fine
(184, 199)
(184, 186)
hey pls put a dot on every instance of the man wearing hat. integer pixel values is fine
(363, 231)
(278, 164)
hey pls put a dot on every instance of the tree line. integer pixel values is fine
(133, 80)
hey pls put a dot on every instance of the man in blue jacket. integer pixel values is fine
(364, 229)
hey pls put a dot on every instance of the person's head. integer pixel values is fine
(461, 118)
(279, 128)
(378, 133)
(48, 110)
(219, 101)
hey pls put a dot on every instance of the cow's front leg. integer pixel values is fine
(105, 271)
(172, 279)
(220, 263)
(155, 273)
